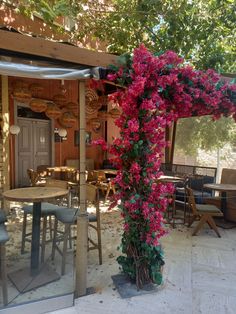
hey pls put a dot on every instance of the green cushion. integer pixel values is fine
(208, 208)
(69, 216)
(3, 234)
(2, 217)
(46, 209)
(92, 218)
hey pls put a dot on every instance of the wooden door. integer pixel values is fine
(42, 143)
(34, 147)
(25, 150)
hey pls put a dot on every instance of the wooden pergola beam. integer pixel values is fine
(54, 50)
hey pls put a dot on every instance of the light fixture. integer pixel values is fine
(63, 88)
(14, 129)
(62, 132)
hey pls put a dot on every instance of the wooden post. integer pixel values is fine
(6, 136)
(82, 221)
(167, 148)
(173, 142)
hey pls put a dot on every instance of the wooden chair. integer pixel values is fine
(3, 239)
(104, 184)
(68, 217)
(47, 211)
(43, 172)
(204, 212)
(35, 179)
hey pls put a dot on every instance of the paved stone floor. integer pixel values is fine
(199, 277)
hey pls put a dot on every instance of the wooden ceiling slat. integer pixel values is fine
(55, 50)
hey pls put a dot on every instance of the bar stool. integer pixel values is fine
(68, 218)
(48, 210)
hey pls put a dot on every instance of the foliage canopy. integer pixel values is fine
(202, 31)
(203, 133)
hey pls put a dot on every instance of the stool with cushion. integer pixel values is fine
(68, 217)
(47, 211)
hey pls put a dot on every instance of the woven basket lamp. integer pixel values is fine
(73, 107)
(38, 105)
(60, 100)
(53, 111)
(36, 89)
(67, 119)
(103, 116)
(21, 94)
(90, 95)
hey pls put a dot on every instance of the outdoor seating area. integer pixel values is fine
(41, 248)
(195, 177)
(187, 258)
(59, 214)
(117, 158)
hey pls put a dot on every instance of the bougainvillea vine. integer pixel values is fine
(157, 91)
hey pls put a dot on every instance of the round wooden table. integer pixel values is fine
(107, 171)
(223, 188)
(35, 195)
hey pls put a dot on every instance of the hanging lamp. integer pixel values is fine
(38, 105)
(53, 111)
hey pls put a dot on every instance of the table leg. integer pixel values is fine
(35, 238)
(223, 203)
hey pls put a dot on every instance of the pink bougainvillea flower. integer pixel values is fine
(158, 90)
(101, 142)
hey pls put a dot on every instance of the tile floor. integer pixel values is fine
(199, 277)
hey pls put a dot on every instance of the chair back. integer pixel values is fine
(101, 176)
(33, 176)
(92, 196)
(92, 176)
(62, 185)
(43, 171)
(71, 175)
(191, 200)
(92, 193)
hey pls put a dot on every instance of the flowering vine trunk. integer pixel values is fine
(158, 90)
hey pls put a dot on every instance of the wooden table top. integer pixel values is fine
(34, 194)
(220, 187)
(107, 171)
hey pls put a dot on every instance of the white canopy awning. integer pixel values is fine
(47, 72)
